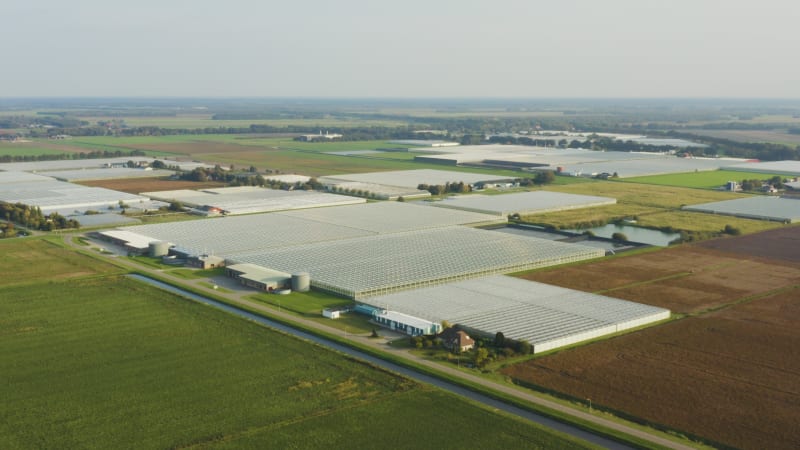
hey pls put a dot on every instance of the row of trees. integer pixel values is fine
(71, 155)
(448, 188)
(32, 217)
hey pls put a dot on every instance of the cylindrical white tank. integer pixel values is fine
(159, 248)
(301, 282)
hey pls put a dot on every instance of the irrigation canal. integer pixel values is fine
(488, 401)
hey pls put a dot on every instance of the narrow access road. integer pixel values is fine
(240, 298)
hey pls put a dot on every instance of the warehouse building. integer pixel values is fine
(259, 277)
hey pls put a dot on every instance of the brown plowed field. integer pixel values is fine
(732, 376)
(138, 185)
(782, 243)
(685, 279)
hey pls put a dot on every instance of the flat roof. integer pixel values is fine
(258, 273)
(771, 167)
(411, 178)
(52, 195)
(106, 173)
(546, 316)
(132, 239)
(759, 207)
(234, 234)
(522, 202)
(379, 264)
(253, 199)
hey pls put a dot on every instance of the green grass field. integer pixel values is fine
(700, 180)
(26, 150)
(113, 363)
(32, 260)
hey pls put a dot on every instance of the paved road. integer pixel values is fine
(240, 298)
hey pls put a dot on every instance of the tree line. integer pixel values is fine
(32, 217)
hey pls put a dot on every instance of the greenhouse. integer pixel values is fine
(523, 202)
(58, 196)
(229, 235)
(392, 217)
(382, 264)
(410, 178)
(546, 316)
(252, 199)
(762, 208)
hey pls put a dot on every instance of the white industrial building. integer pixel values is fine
(788, 168)
(546, 316)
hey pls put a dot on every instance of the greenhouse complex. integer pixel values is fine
(546, 316)
(779, 209)
(382, 264)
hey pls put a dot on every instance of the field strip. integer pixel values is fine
(643, 283)
(746, 299)
(292, 421)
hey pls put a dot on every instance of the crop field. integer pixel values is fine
(732, 376)
(699, 180)
(648, 195)
(686, 279)
(781, 244)
(112, 363)
(205, 121)
(137, 185)
(27, 149)
(31, 259)
(652, 205)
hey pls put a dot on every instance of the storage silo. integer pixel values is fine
(159, 248)
(301, 282)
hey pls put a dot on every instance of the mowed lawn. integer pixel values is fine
(108, 362)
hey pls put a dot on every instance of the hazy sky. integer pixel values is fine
(410, 48)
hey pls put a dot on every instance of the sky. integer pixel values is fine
(407, 49)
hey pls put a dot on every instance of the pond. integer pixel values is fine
(634, 234)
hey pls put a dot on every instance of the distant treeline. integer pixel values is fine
(76, 155)
(764, 151)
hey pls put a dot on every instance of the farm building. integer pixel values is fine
(425, 143)
(546, 316)
(522, 202)
(205, 261)
(762, 208)
(404, 323)
(381, 264)
(258, 277)
(251, 199)
(456, 340)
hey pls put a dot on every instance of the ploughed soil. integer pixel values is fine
(684, 279)
(781, 243)
(732, 376)
(729, 373)
(139, 185)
